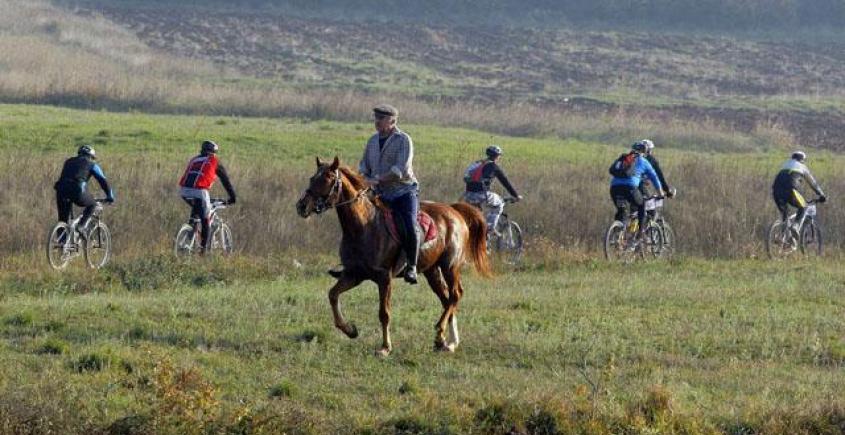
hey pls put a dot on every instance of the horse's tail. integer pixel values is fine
(476, 244)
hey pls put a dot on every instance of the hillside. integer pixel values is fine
(739, 83)
(536, 82)
(785, 18)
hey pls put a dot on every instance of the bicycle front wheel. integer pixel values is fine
(811, 239)
(98, 246)
(222, 240)
(652, 243)
(669, 245)
(510, 242)
(780, 242)
(186, 241)
(60, 246)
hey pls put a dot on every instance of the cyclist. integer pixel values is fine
(785, 188)
(628, 172)
(478, 177)
(71, 187)
(195, 183)
(649, 155)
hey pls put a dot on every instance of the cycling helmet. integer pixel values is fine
(639, 146)
(799, 156)
(86, 150)
(493, 151)
(649, 145)
(209, 147)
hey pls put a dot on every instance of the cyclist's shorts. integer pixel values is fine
(201, 195)
(792, 197)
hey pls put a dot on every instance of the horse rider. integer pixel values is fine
(388, 166)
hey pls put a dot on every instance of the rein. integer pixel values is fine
(324, 203)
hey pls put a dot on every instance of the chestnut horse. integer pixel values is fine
(369, 252)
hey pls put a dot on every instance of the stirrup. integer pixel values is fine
(410, 274)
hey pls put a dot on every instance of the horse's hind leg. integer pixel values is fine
(343, 284)
(452, 276)
(435, 280)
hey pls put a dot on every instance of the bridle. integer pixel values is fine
(329, 200)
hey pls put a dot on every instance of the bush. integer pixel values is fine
(53, 346)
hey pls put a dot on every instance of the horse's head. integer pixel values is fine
(323, 190)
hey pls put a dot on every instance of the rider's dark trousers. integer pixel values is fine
(624, 196)
(786, 197)
(199, 211)
(405, 209)
(68, 194)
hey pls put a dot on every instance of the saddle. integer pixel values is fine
(425, 226)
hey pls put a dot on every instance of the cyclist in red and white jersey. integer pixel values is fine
(201, 173)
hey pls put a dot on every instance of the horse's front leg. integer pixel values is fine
(343, 284)
(384, 291)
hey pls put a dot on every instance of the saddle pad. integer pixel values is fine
(426, 224)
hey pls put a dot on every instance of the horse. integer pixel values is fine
(369, 252)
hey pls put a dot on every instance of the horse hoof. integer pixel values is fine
(383, 352)
(352, 331)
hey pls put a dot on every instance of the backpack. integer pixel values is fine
(474, 171)
(623, 167)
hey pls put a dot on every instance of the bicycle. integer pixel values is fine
(507, 239)
(187, 238)
(783, 241)
(654, 209)
(508, 235)
(67, 241)
(621, 243)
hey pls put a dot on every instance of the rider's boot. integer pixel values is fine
(336, 272)
(413, 253)
(411, 274)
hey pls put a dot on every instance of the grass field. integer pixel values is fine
(684, 347)
(723, 209)
(565, 344)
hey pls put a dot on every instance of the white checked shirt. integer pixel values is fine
(397, 157)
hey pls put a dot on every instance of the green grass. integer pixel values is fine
(726, 343)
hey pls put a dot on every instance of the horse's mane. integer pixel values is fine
(357, 181)
(354, 177)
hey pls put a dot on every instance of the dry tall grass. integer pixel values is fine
(721, 210)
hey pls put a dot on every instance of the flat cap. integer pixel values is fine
(385, 110)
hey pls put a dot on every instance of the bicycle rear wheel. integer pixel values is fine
(811, 239)
(510, 242)
(780, 242)
(616, 243)
(97, 246)
(185, 242)
(60, 250)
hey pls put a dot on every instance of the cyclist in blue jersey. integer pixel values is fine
(628, 173)
(71, 187)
